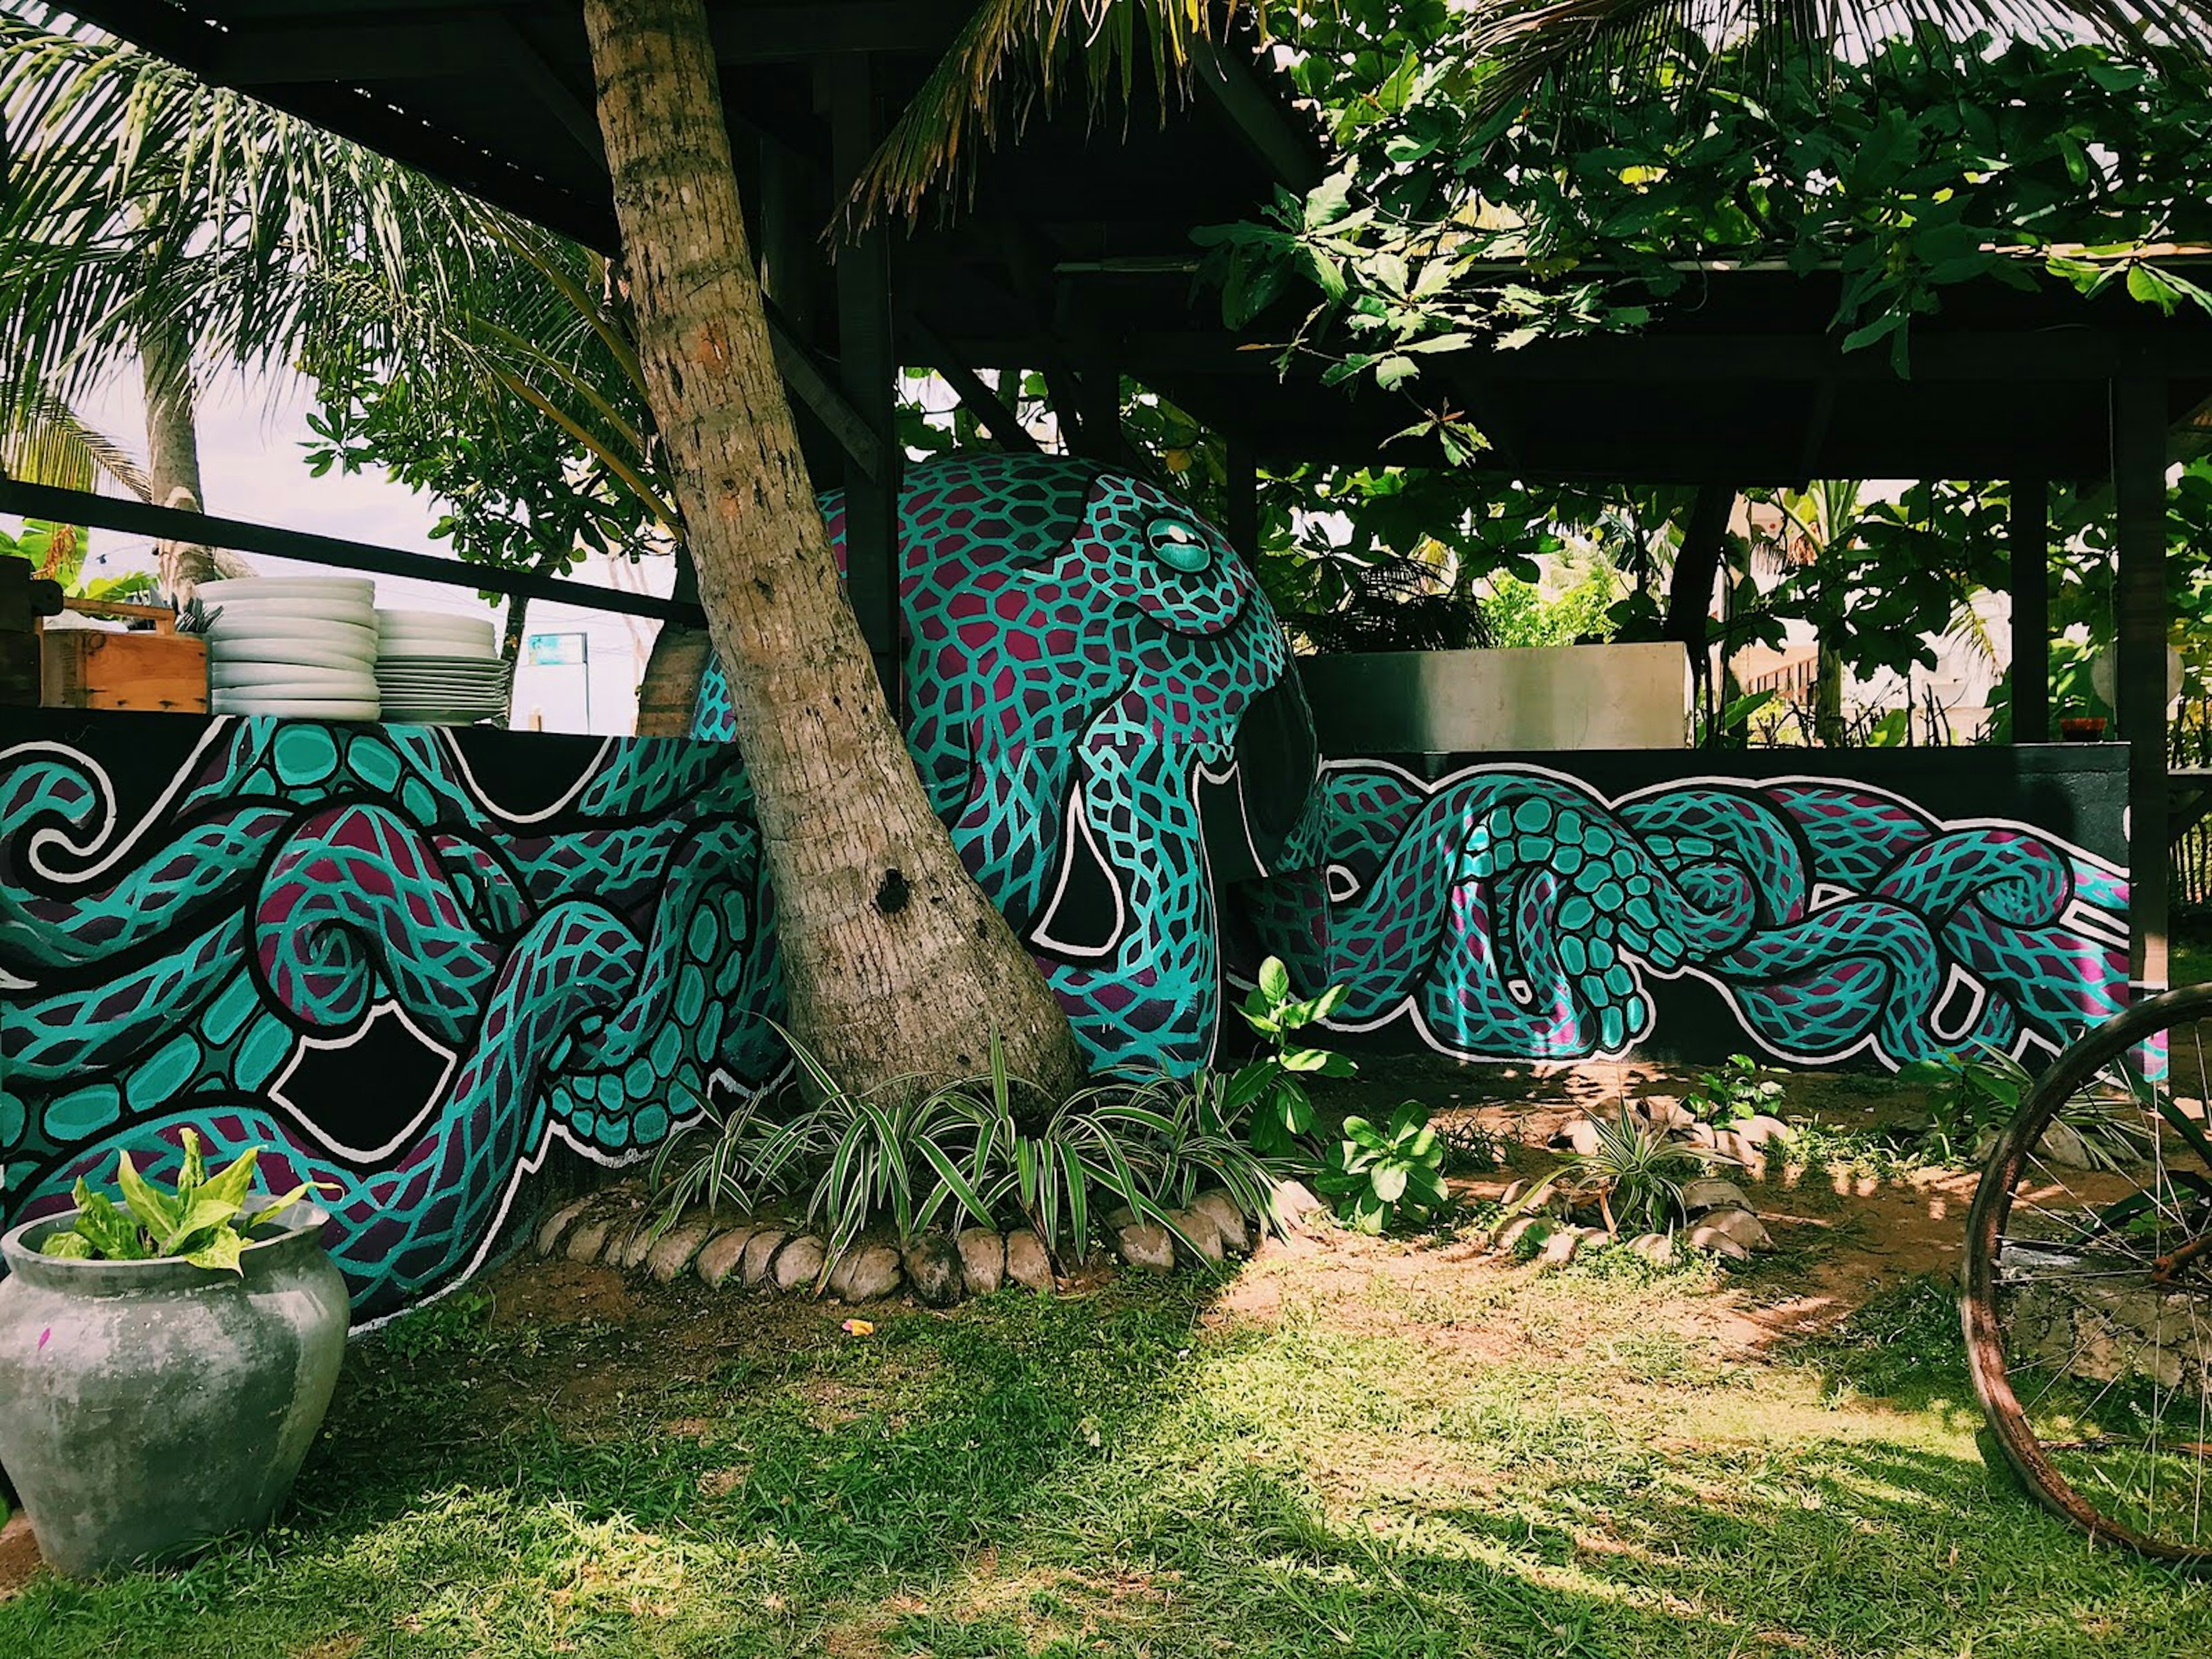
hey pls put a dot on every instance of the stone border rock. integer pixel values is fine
(618, 1227)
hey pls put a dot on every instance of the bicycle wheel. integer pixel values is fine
(2088, 1300)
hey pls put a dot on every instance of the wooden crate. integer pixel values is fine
(163, 670)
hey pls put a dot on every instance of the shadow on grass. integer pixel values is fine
(1118, 1475)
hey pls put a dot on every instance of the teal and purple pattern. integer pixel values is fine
(413, 962)
(1509, 912)
(334, 942)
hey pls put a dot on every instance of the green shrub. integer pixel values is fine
(1381, 1174)
(1281, 1114)
(1632, 1178)
(1738, 1090)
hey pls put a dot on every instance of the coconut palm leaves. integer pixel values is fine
(1580, 42)
(139, 198)
(1010, 57)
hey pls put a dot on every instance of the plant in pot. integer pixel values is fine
(166, 1361)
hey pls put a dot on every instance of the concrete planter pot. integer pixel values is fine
(151, 1406)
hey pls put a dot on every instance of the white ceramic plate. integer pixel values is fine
(282, 653)
(333, 690)
(435, 650)
(282, 613)
(356, 680)
(438, 716)
(353, 587)
(304, 709)
(433, 621)
(385, 671)
(302, 631)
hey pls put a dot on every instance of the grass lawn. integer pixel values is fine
(1377, 1449)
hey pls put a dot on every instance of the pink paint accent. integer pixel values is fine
(45, 1337)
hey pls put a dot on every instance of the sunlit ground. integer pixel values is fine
(1371, 1449)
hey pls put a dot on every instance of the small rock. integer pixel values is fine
(1028, 1263)
(868, 1274)
(760, 1255)
(982, 1260)
(637, 1245)
(1512, 1232)
(932, 1268)
(1293, 1201)
(1145, 1246)
(587, 1238)
(719, 1259)
(1580, 1136)
(799, 1264)
(1698, 1135)
(1120, 1216)
(550, 1230)
(1657, 1249)
(1711, 1193)
(2063, 1147)
(1198, 1232)
(1591, 1236)
(1757, 1132)
(1228, 1220)
(1560, 1249)
(1742, 1225)
(1514, 1192)
(673, 1252)
(1706, 1236)
(1665, 1112)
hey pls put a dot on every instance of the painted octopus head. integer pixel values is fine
(1064, 617)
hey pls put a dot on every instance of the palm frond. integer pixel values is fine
(1012, 58)
(43, 440)
(1580, 44)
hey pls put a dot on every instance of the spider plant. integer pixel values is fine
(1632, 1177)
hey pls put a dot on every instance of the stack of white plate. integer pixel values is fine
(303, 645)
(436, 669)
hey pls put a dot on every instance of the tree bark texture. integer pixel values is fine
(895, 962)
(173, 456)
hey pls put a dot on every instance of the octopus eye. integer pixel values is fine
(1178, 545)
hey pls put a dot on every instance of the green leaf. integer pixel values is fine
(1329, 201)
(1274, 981)
(112, 1233)
(195, 1170)
(1390, 1181)
(154, 1211)
(202, 1215)
(2147, 285)
(71, 1246)
(221, 1253)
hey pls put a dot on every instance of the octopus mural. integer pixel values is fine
(415, 961)
(1513, 913)
(335, 942)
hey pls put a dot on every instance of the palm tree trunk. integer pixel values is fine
(895, 962)
(173, 447)
(173, 452)
(668, 691)
(1828, 696)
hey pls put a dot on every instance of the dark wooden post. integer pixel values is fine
(2139, 433)
(867, 368)
(1242, 490)
(2028, 531)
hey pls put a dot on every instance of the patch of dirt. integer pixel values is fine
(560, 1292)
(19, 1554)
